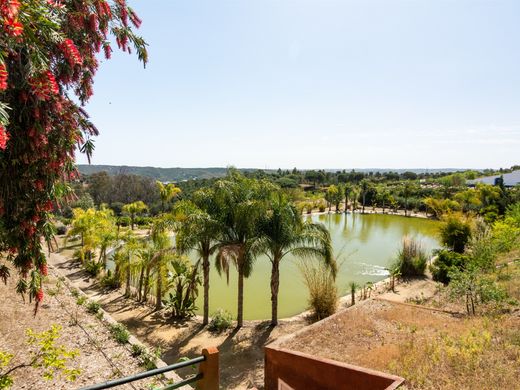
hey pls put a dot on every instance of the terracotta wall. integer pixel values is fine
(285, 369)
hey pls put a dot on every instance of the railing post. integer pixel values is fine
(209, 368)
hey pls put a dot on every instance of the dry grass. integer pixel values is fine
(486, 355)
(432, 349)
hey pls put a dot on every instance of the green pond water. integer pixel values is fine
(365, 244)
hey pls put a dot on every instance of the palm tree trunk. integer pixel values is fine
(146, 284)
(158, 296)
(240, 308)
(205, 270)
(140, 288)
(363, 211)
(275, 284)
(128, 275)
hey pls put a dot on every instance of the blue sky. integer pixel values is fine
(315, 84)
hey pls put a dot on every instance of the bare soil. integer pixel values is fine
(101, 358)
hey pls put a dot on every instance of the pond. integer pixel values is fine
(365, 245)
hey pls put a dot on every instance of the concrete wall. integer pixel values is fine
(285, 369)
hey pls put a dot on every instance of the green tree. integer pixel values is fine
(167, 192)
(49, 54)
(364, 187)
(455, 232)
(241, 202)
(163, 253)
(282, 232)
(134, 209)
(347, 188)
(198, 230)
(407, 191)
(331, 195)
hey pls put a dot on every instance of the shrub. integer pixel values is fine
(93, 268)
(120, 333)
(74, 292)
(411, 258)
(110, 281)
(123, 221)
(220, 320)
(323, 293)
(455, 233)
(81, 300)
(447, 261)
(93, 307)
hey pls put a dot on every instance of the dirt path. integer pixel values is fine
(241, 351)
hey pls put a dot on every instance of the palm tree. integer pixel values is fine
(167, 192)
(134, 209)
(199, 231)
(163, 253)
(364, 187)
(282, 232)
(241, 202)
(126, 260)
(347, 190)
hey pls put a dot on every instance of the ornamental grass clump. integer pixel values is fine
(323, 292)
(411, 258)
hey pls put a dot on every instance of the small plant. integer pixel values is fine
(221, 320)
(120, 333)
(93, 307)
(93, 268)
(74, 292)
(147, 359)
(100, 315)
(353, 287)
(110, 281)
(44, 354)
(81, 300)
(138, 350)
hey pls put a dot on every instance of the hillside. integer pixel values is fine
(180, 174)
(162, 174)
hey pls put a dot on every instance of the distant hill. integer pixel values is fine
(180, 174)
(162, 174)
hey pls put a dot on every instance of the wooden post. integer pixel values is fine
(209, 368)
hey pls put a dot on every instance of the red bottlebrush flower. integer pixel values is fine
(39, 295)
(71, 52)
(51, 80)
(108, 51)
(39, 185)
(123, 12)
(43, 269)
(13, 27)
(93, 22)
(49, 206)
(135, 19)
(10, 8)
(3, 77)
(4, 137)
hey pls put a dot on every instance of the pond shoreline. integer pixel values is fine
(377, 210)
